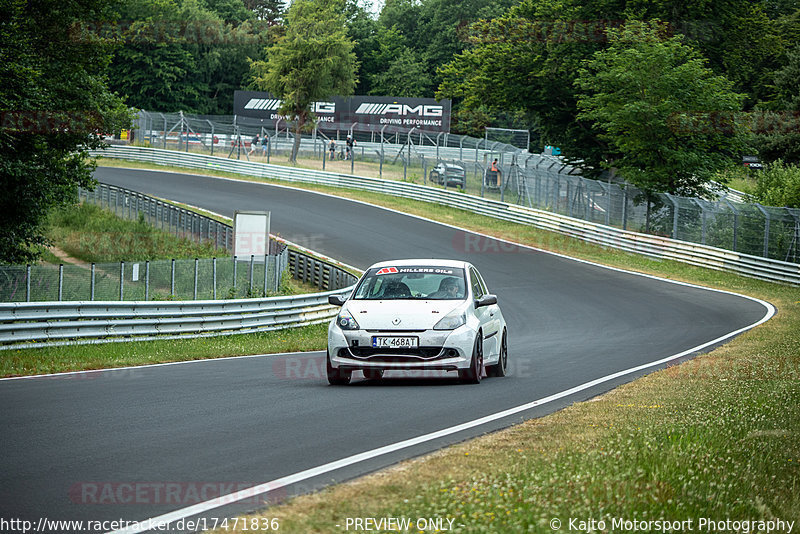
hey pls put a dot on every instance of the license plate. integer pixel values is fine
(395, 342)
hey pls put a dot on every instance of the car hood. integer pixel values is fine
(412, 314)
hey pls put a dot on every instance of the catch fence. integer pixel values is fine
(534, 180)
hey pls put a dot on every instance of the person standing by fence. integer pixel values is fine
(496, 173)
(253, 144)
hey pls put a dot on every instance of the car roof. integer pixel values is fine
(435, 262)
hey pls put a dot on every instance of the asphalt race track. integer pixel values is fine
(133, 444)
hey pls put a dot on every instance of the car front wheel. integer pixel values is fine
(472, 374)
(336, 377)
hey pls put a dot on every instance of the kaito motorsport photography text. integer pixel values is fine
(702, 524)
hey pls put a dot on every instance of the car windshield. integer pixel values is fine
(422, 282)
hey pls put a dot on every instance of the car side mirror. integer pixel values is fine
(486, 300)
(336, 300)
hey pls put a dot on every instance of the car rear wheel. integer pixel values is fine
(336, 377)
(499, 369)
(373, 374)
(472, 374)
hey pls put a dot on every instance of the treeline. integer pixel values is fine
(665, 95)
(192, 54)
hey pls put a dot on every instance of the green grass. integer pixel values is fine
(716, 437)
(92, 234)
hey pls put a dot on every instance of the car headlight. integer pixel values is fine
(451, 321)
(346, 321)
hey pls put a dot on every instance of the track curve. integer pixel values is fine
(244, 421)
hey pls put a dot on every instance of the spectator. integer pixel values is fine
(253, 144)
(496, 171)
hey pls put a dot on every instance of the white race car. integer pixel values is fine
(420, 315)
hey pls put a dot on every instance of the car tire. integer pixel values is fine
(373, 374)
(500, 368)
(472, 374)
(335, 376)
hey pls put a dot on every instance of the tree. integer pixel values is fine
(405, 76)
(777, 130)
(314, 60)
(56, 104)
(778, 185)
(669, 122)
(267, 10)
(179, 55)
(528, 58)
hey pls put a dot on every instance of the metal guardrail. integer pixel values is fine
(655, 246)
(28, 324)
(38, 324)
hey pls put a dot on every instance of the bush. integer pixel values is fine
(778, 185)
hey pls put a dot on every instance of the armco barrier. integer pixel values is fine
(607, 236)
(29, 324)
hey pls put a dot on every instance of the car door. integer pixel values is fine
(486, 316)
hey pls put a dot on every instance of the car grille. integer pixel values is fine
(395, 355)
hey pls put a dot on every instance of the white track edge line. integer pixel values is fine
(142, 526)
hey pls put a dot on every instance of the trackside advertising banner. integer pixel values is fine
(368, 113)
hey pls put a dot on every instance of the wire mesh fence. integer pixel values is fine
(186, 279)
(490, 168)
(179, 279)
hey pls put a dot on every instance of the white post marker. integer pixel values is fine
(251, 234)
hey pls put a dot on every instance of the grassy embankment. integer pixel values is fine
(716, 437)
(91, 234)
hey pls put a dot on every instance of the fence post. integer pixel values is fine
(196, 260)
(235, 268)
(172, 278)
(91, 284)
(147, 280)
(27, 283)
(625, 208)
(214, 276)
(122, 280)
(766, 228)
(212, 135)
(60, 281)
(266, 264)
(675, 216)
(250, 288)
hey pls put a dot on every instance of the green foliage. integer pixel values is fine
(653, 101)
(92, 234)
(528, 58)
(405, 76)
(55, 105)
(312, 61)
(777, 133)
(778, 185)
(182, 55)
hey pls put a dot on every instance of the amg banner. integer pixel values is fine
(368, 113)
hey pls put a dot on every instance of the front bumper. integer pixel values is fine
(438, 349)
